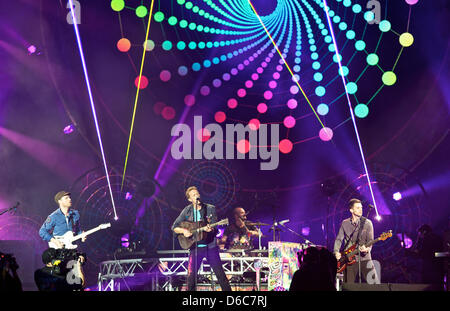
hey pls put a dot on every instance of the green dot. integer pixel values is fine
(360, 45)
(192, 26)
(357, 8)
(372, 59)
(389, 78)
(195, 9)
(352, 87)
(117, 5)
(141, 11)
(385, 26)
(189, 5)
(172, 20)
(181, 2)
(167, 45)
(192, 45)
(181, 45)
(159, 17)
(361, 111)
(183, 23)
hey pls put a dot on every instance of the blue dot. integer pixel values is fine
(320, 91)
(316, 65)
(369, 16)
(196, 66)
(344, 70)
(318, 76)
(207, 63)
(351, 35)
(352, 88)
(357, 8)
(360, 45)
(322, 109)
(182, 70)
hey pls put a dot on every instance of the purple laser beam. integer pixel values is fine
(341, 72)
(91, 100)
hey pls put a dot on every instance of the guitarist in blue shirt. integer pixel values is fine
(204, 248)
(62, 220)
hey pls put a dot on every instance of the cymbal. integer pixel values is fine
(251, 223)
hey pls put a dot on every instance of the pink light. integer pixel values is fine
(69, 129)
(306, 231)
(31, 49)
(128, 196)
(262, 108)
(289, 122)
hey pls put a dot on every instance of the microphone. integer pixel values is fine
(283, 221)
(371, 206)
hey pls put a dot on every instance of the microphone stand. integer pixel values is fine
(299, 235)
(359, 252)
(11, 208)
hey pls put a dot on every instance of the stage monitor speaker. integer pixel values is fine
(389, 287)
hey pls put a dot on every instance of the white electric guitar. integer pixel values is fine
(68, 237)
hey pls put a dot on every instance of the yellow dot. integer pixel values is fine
(406, 39)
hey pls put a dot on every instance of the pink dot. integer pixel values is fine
(246, 62)
(205, 90)
(220, 116)
(168, 113)
(326, 134)
(158, 107)
(272, 84)
(249, 84)
(285, 146)
(262, 108)
(267, 59)
(292, 103)
(189, 100)
(234, 71)
(264, 64)
(412, 2)
(243, 146)
(255, 76)
(144, 82)
(232, 103)
(268, 95)
(254, 124)
(276, 75)
(279, 68)
(165, 75)
(259, 70)
(289, 122)
(240, 66)
(294, 89)
(241, 92)
(203, 134)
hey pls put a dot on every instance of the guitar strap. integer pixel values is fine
(361, 226)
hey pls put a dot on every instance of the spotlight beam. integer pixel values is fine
(137, 93)
(341, 72)
(285, 63)
(91, 100)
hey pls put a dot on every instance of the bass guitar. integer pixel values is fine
(198, 231)
(68, 237)
(348, 255)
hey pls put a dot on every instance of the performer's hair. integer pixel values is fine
(189, 190)
(352, 202)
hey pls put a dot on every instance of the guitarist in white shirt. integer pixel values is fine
(62, 220)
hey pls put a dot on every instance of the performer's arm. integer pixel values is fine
(338, 242)
(176, 224)
(46, 227)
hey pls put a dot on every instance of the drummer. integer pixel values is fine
(238, 235)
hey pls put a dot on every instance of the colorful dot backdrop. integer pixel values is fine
(216, 54)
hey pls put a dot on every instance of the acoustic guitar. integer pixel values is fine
(198, 231)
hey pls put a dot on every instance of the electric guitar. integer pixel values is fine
(68, 237)
(198, 232)
(348, 255)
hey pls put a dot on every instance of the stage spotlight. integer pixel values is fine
(306, 231)
(397, 196)
(128, 196)
(31, 49)
(69, 129)
(378, 218)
